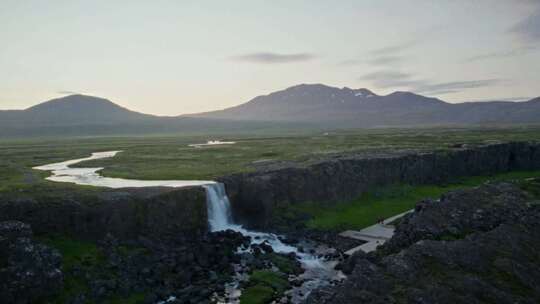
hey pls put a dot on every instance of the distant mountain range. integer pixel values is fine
(302, 106)
(363, 108)
(81, 115)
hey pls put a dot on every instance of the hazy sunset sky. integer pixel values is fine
(175, 57)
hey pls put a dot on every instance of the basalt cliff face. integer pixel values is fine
(255, 196)
(125, 213)
(137, 241)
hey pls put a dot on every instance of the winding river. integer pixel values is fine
(318, 271)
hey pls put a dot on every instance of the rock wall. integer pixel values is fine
(125, 213)
(477, 245)
(255, 195)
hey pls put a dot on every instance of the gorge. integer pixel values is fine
(318, 270)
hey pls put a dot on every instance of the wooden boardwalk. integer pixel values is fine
(374, 236)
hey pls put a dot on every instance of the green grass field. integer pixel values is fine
(388, 201)
(172, 158)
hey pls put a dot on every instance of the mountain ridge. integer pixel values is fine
(309, 105)
(345, 107)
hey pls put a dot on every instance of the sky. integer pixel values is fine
(177, 57)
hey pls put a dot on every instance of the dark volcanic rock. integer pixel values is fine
(257, 197)
(190, 270)
(29, 271)
(459, 213)
(465, 257)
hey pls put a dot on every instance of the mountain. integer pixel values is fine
(347, 107)
(77, 109)
(73, 110)
(77, 115)
(302, 106)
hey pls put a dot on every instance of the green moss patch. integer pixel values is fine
(89, 260)
(75, 252)
(258, 294)
(270, 278)
(264, 286)
(284, 264)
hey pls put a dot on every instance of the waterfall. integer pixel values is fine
(220, 218)
(219, 207)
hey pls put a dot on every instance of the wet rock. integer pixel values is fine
(292, 256)
(289, 241)
(348, 265)
(257, 251)
(296, 282)
(265, 246)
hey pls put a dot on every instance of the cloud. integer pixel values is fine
(375, 61)
(385, 60)
(273, 58)
(350, 62)
(383, 56)
(396, 79)
(67, 92)
(391, 79)
(520, 98)
(528, 29)
(393, 54)
(456, 86)
(380, 75)
(396, 48)
(503, 54)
